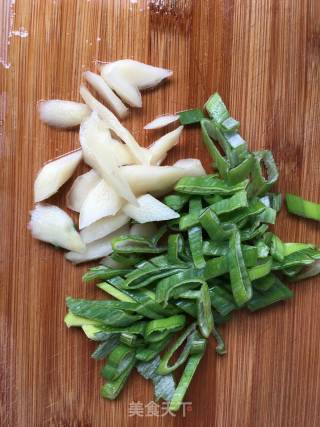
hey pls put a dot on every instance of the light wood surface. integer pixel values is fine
(263, 56)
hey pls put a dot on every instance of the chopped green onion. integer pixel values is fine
(297, 259)
(275, 201)
(112, 313)
(216, 108)
(230, 124)
(259, 184)
(289, 248)
(166, 286)
(220, 348)
(149, 273)
(120, 358)
(127, 260)
(106, 347)
(243, 215)
(116, 293)
(301, 207)
(150, 351)
(164, 385)
(176, 201)
(235, 140)
(195, 235)
(222, 300)
(187, 221)
(147, 299)
(277, 248)
(188, 335)
(277, 292)
(309, 271)
(131, 340)
(157, 330)
(185, 381)
(135, 244)
(205, 318)
(217, 257)
(208, 184)
(239, 277)
(262, 269)
(222, 163)
(175, 249)
(268, 216)
(264, 283)
(262, 248)
(72, 320)
(241, 171)
(112, 389)
(103, 273)
(237, 201)
(253, 232)
(190, 117)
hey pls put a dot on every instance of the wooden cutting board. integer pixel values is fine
(263, 56)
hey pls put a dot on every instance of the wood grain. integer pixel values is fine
(263, 57)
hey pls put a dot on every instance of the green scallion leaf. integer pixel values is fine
(185, 381)
(239, 277)
(190, 117)
(216, 108)
(301, 207)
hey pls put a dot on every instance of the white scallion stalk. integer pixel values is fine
(103, 227)
(149, 210)
(106, 93)
(160, 148)
(95, 140)
(51, 224)
(122, 153)
(129, 93)
(97, 249)
(101, 201)
(80, 189)
(141, 75)
(193, 167)
(62, 114)
(162, 121)
(113, 123)
(54, 174)
(159, 180)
